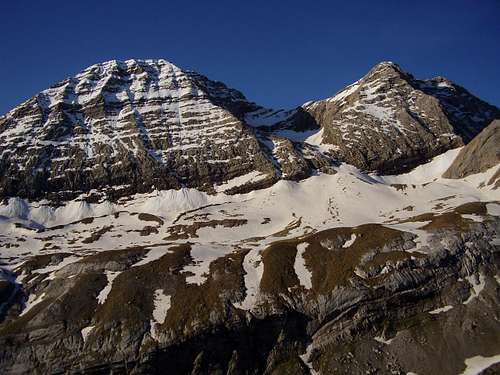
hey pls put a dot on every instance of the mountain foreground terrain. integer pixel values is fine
(155, 221)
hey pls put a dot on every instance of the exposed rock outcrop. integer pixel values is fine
(369, 297)
(120, 128)
(389, 122)
(481, 154)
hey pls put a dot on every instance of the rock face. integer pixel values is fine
(128, 127)
(479, 155)
(370, 305)
(119, 128)
(389, 121)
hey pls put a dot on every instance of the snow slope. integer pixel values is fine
(215, 225)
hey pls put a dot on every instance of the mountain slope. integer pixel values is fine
(389, 121)
(128, 127)
(479, 155)
(283, 279)
(120, 128)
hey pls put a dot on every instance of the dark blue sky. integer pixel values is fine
(278, 53)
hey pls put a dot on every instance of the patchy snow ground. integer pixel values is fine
(287, 209)
(202, 256)
(51, 270)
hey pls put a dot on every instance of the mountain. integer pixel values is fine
(153, 221)
(120, 128)
(390, 122)
(133, 126)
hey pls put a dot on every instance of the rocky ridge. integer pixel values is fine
(388, 121)
(120, 128)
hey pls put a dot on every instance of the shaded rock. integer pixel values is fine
(481, 154)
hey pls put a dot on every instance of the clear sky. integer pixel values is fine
(278, 53)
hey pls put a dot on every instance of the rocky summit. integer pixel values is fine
(120, 128)
(153, 221)
(389, 121)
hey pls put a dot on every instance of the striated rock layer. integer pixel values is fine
(368, 306)
(388, 121)
(120, 128)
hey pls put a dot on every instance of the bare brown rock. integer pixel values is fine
(481, 154)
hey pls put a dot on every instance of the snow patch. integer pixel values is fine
(251, 177)
(306, 358)
(350, 241)
(493, 209)
(254, 269)
(152, 255)
(425, 172)
(86, 331)
(267, 117)
(103, 295)
(441, 310)
(32, 302)
(383, 340)
(161, 306)
(477, 364)
(340, 96)
(475, 218)
(477, 286)
(304, 275)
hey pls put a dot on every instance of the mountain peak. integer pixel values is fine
(123, 127)
(389, 122)
(146, 124)
(124, 64)
(386, 65)
(386, 70)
